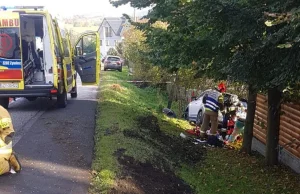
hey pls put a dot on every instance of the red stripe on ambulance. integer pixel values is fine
(11, 74)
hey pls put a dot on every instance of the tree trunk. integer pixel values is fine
(170, 101)
(248, 131)
(173, 90)
(274, 98)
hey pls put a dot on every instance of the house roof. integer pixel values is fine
(115, 23)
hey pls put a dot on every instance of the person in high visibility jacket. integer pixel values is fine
(213, 102)
(8, 160)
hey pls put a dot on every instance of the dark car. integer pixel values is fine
(112, 62)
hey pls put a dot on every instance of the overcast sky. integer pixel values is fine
(68, 8)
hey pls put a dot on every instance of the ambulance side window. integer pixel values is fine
(66, 48)
(56, 42)
(89, 44)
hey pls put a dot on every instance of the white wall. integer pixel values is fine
(104, 48)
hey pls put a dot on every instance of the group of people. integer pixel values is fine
(234, 119)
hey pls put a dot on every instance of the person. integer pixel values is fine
(238, 127)
(213, 102)
(8, 160)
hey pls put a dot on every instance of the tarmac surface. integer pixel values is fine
(54, 146)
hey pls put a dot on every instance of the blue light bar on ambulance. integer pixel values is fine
(21, 7)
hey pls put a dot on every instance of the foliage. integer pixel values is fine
(134, 49)
(120, 49)
(113, 52)
(89, 46)
(244, 39)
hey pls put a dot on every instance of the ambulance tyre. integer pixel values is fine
(74, 95)
(62, 100)
(74, 91)
(4, 102)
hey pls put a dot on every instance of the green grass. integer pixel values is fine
(221, 171)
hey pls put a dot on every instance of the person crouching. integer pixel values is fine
(8, 160)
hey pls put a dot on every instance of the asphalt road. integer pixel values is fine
(54, 146)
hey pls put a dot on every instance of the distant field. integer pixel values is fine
(80, 30)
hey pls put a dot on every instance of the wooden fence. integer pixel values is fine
(260, 119)
(289, 133)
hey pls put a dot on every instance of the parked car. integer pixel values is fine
(112, 62)
(195, 109)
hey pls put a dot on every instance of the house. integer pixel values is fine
(111, 31)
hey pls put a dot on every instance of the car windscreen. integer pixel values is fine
(10, 43)
(113, 59)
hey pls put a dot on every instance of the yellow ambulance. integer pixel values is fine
(37, 59)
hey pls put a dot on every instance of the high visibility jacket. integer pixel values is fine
(212, 101)
(6, 133)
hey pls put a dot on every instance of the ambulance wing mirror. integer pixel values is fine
(78, 51)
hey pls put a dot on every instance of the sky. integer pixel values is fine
(65, 8)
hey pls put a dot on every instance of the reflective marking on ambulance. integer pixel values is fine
(10, 68)
(9, 22)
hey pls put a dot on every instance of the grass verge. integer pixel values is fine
(131, 130)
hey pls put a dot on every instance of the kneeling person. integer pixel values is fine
(8, 161)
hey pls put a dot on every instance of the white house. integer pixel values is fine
(111, 31)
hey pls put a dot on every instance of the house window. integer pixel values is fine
(116, 42)
(108, 32)
(107, 42)
(100, 42)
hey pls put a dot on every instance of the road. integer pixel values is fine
(54, 146)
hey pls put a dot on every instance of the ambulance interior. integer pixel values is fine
(37, 64)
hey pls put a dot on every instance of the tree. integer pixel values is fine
(224, 37)
(119, 48)
(113, 52)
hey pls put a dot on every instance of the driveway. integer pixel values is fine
(54, 146)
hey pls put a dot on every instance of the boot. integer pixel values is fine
(14, 163)
(203, 136)
(214, 141)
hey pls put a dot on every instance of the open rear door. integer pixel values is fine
(87, 58)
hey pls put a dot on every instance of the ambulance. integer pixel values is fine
(37, 59)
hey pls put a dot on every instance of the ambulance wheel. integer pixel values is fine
(4, 102)
(74, 91)
(74, 95)
(62, 100)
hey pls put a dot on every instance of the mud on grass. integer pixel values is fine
(173, 150)
(144, 178)
(156, 175)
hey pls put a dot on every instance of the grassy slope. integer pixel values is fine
(223, 171)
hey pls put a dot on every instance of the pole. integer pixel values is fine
(104, 41)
